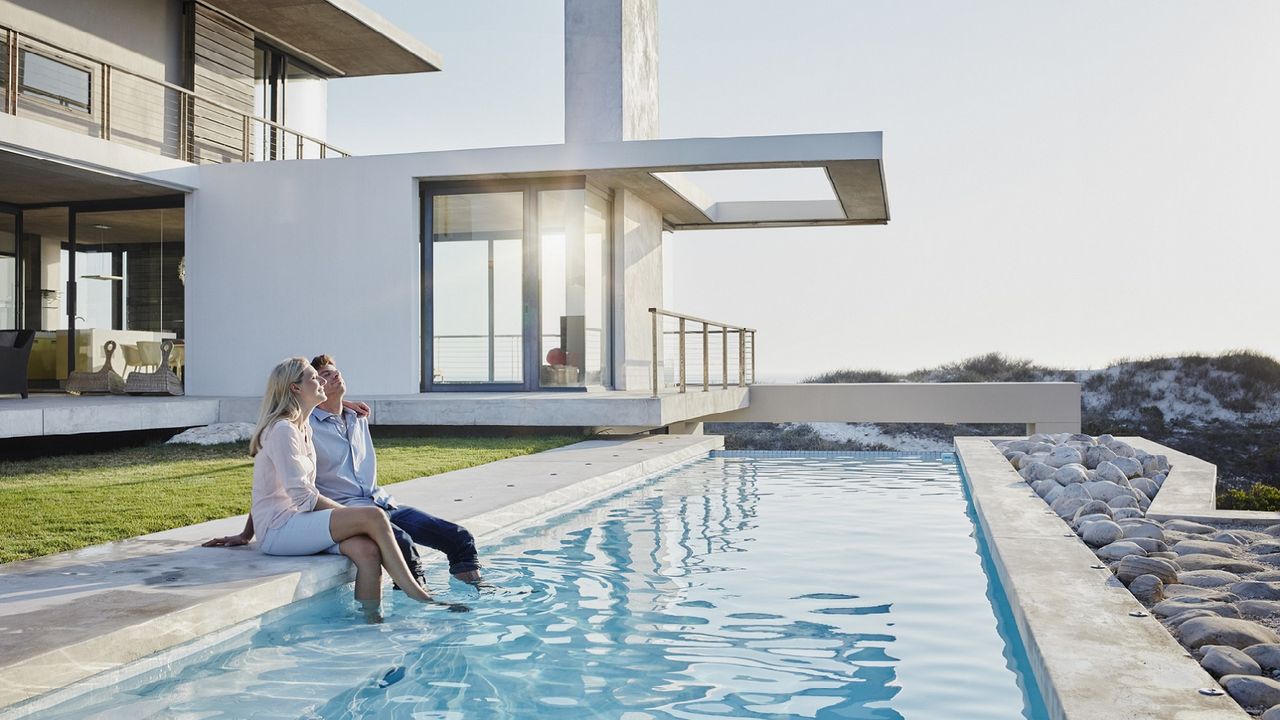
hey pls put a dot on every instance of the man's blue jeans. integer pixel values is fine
(411, 525)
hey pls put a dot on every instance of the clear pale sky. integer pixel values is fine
(1069, 181)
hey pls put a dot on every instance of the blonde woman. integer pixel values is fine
(292, 517)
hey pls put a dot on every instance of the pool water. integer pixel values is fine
(766, 585)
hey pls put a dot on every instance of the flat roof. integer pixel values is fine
(659, 172)
(342, 37)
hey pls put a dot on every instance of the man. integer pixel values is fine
(347, 473)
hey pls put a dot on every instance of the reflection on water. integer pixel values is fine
(814, 587)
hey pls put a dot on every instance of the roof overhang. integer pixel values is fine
(852, 161)
(32, 178)
(342, 37)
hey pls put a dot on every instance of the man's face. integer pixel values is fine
(334, 384)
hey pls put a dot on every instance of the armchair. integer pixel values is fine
(15, 354)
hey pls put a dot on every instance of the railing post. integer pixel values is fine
(105, 130)
(11, 80)
(742, 357)
(653, 313)
(753, 357)
(724, 353)
(298, 153)
(706, 367)
(246, 129)
(682, 368)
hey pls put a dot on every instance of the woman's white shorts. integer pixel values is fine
(306, 533)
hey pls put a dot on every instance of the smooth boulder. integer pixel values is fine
(1189, 526)
(1207, 547)
(1203, 561)
(1063, 455)
(1133, 566)
(1070, 474)
(1267, 655)
(1254, 692)
(1147, 588)
(1241, 634)
(1100, 533)
(1222, 660)
(1120, 550)
(1209, 579)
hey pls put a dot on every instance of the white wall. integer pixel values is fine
(144, 36)
(299, 258)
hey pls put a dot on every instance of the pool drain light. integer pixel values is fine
(1212, 692)
(1137, 613)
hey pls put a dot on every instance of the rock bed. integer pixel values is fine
(1216, 589)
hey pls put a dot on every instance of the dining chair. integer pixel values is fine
(149, 354)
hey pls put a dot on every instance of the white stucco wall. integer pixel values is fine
(299, 258)
(144, 36)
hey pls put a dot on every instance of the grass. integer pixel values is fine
(53, 504)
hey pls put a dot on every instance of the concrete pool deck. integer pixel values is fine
(1091, 657)
(70, 616)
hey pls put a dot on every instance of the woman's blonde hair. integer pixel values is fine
(279, 402)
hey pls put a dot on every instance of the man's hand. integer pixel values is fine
(359, 408)
(228, 541)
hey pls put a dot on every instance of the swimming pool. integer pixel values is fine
(761, 585)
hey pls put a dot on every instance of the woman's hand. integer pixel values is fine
(228, 541)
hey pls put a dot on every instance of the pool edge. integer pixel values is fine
(549, 482)
(1091, 658)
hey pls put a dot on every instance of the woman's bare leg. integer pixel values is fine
(364, 552)
(367, 558)
(349, 522)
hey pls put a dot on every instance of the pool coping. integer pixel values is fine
(98, 609)
(1099, 663)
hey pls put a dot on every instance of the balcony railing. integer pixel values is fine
(711, 339)
(78, 93)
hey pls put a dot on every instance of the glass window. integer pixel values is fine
(477, 271)
(572, 236)
(55, 81)
(8, 271)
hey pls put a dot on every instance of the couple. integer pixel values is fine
(315, 488)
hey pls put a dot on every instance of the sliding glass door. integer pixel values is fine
(515, 280)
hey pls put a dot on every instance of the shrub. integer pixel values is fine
(1257, 497)
(854, 376)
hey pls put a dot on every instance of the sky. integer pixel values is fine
(1070, 182)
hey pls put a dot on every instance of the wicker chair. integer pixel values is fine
(162, 381)
(105, 380)
(15, 354)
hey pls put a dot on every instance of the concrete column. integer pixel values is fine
(637, 286)
(685, 428)
(610, 70)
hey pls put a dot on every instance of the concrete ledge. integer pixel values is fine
(1049, 407)
(1090, 657)
(66, 617)
(1190, 491)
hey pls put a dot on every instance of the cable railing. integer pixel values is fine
(87, 96)
(708, 337)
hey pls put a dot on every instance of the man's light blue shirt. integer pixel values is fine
(346, 469)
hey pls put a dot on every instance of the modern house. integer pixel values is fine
(499, 286)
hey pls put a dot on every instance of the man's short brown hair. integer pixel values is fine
(320, 361)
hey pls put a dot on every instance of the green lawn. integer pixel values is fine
(49, 505)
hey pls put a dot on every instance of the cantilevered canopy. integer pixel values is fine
(671, 174)
(29, 178)
(342, 36)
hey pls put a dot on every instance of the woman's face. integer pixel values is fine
(310, 391)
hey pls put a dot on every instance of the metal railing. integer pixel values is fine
(726, 335)
(79, 93)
